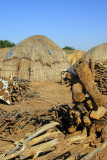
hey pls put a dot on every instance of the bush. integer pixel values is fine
(6, 43)
(68, 48)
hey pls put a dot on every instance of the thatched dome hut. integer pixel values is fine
(99, 53)
(36, 58)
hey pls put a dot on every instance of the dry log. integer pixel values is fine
(78, 120)
(77, 93)
(99, 149)
(72, 129)
(86, 120)
(92, 67)
(45, 137)
(97, 114)
(36, 150)
(75, 115)
(84, 73)
(77, 139)
(90, 104)
(101, 77)
(22, 143)
(81, 107)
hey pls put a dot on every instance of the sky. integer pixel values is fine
(81, 24)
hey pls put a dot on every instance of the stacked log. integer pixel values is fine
(14, 90)
(91, 108)
(85, 76)
(101, 76)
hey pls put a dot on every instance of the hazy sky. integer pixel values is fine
(81, 24)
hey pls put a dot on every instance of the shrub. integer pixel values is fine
(6, 43)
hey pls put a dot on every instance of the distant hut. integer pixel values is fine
(99, 53)
(36, 58)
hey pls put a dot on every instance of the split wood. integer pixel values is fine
(21, 148)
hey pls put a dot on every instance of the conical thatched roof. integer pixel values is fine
(35, 58)
(99, 53)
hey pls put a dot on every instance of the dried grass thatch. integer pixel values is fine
(74, 55)
(3, 51)
(36, 58)
(99, 53)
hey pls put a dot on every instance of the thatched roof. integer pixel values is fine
(3, 51)
(35, 58)
(99, 53)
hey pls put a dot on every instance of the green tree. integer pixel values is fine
(68, 48)
(6, 43)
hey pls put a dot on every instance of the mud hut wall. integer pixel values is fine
(9, 68)
(41, 72)
(23, 69)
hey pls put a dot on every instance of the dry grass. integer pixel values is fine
(74, 55)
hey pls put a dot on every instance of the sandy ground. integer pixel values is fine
(47, 95)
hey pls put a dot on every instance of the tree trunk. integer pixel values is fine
(84, 73)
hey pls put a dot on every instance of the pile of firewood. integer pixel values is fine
(101, 77)
(22, 92)
(13, 90)
(49, 142)
(89, 104)
(13, 122)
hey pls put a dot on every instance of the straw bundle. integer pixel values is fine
(74, 55)
(36, 58)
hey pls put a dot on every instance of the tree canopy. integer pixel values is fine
(68, 48)
(6, 43)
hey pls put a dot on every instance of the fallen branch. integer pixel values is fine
(77, 139)
(21, 146)
(99, 149)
